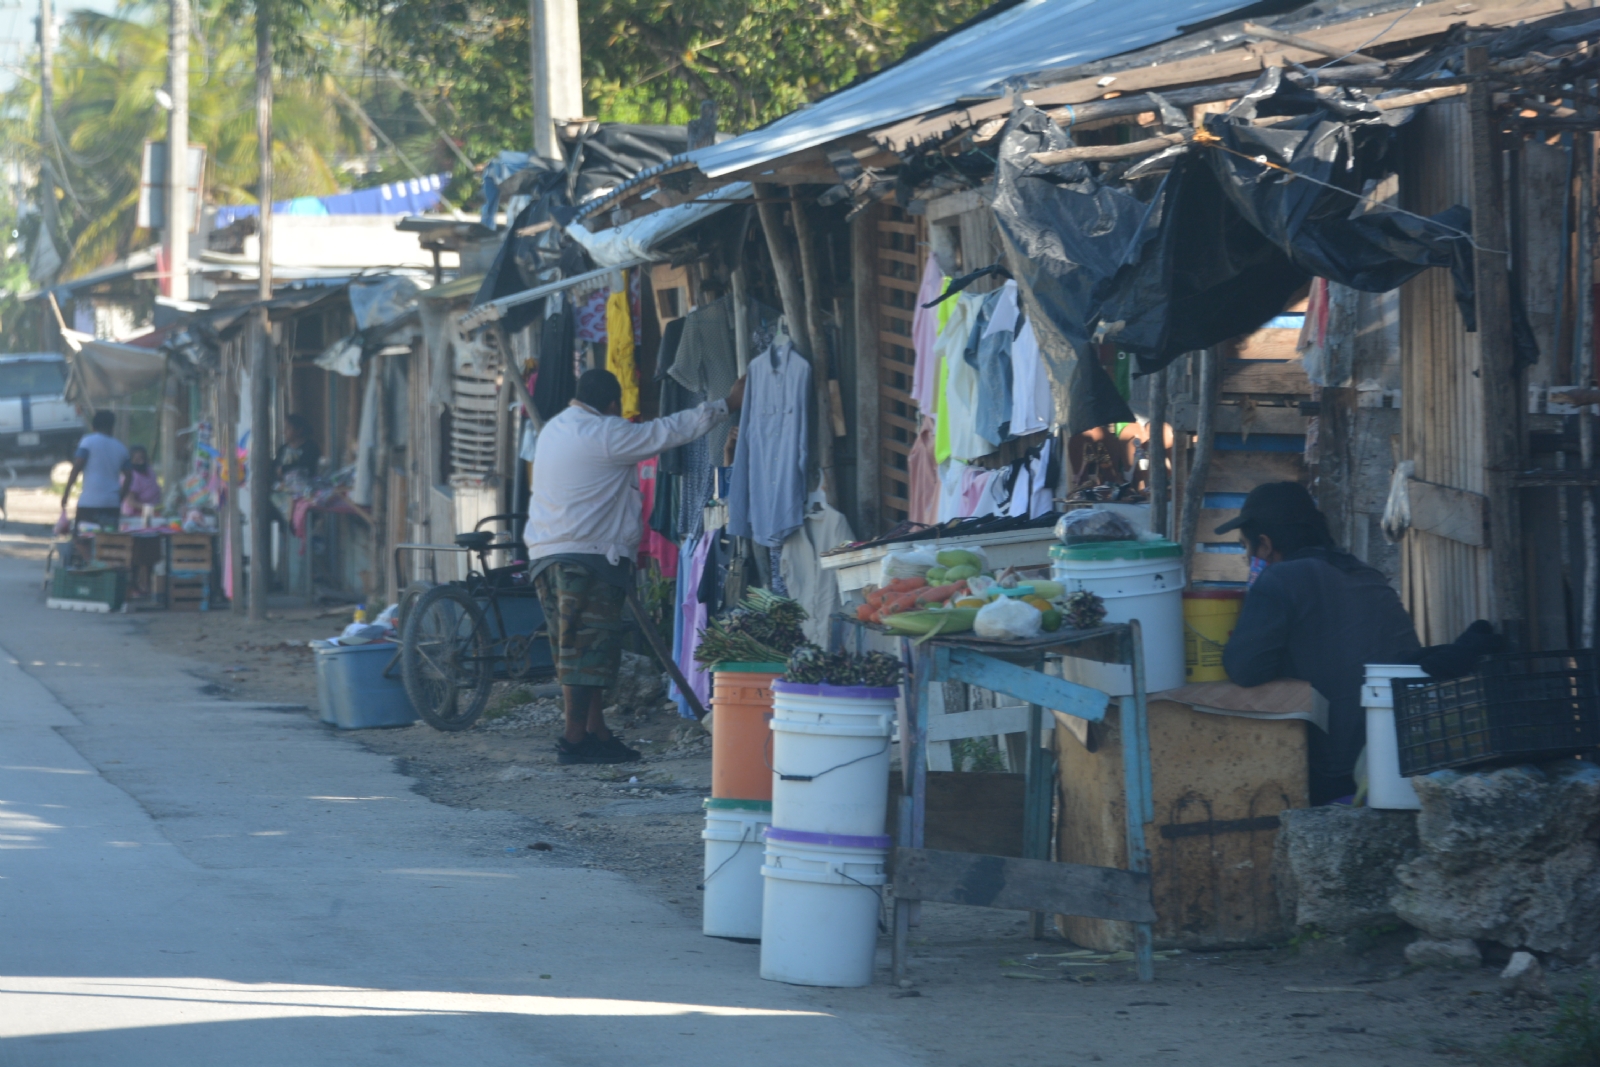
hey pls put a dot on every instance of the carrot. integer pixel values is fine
(939, 594)
(876, 596)
(906, 585)
(865, 613)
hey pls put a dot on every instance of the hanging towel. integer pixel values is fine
(924, 332)
(619, 351)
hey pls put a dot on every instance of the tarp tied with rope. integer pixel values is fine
(1209, 239)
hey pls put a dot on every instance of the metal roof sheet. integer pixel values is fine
(1034, 35)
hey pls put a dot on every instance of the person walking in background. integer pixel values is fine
(107, 471)
(144, 488)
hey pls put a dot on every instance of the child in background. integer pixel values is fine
(143, 487)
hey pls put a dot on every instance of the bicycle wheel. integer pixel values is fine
(446, 658)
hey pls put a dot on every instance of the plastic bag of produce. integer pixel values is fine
(906, 563)
(1088, 525)
(1008, 618)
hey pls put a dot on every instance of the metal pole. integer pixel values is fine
(179, 214)
(47, 123)
(1583, 375)
(1157, 453)
(261, 377)
(557, 75)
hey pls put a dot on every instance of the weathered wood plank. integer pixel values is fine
(1269, 342)
(955, 204)
(975, 668)
(1219, 567)
(1240, 472)
(1229, 418)
(1257, 376)
(1450, 513)
(1021, 885)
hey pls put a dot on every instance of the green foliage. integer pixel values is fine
(1573, 1040)
(977, 754)
(651, 60)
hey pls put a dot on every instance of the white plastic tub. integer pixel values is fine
(830, 758)
(732, 902)
(1138, 580)
(822, 899)
(1385, 787)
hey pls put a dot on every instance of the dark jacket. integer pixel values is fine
(1321, 616)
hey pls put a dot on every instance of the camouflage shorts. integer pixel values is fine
(584, 617)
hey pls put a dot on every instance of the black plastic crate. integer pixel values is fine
(1514, 709)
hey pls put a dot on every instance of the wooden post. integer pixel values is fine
(262, 348)
(230, 451)
(376, 601)
(790, 289)
(1194, 490)
(1501, 376)
(810, 284)
(1157, 452)
(869, 458)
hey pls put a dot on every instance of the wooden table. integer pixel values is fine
(1033, 883)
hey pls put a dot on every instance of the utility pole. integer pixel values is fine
(557, 71)
(178, 213)
(261, 383)
(47, 121)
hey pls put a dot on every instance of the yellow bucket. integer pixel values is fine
(1209, 616)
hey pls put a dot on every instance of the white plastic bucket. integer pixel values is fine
(1137, 580)
(830, 758)
(1385, 787)
(822, 899)
(733, 887)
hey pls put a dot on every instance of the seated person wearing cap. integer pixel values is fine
(1317, 614)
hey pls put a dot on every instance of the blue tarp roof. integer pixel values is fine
(413, 196)
(1033, 36)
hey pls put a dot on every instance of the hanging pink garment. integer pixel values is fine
(974, 483)
(922, 476)
(924, 330)
(654, 546)
(592, 317)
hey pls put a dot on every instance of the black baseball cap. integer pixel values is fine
(1274, 504)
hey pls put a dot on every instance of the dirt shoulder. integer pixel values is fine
(982, 991)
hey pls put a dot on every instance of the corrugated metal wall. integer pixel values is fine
(1445, 583)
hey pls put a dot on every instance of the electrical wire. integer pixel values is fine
(1373, 39)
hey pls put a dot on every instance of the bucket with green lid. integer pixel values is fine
(1140, 580)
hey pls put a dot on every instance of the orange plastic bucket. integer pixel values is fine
(741, 705)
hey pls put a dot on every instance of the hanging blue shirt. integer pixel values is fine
(767, 496)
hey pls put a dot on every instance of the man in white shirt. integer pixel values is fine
(585, 522)
(106, 468)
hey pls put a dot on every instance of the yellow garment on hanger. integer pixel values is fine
(941, 425)
(619, 350)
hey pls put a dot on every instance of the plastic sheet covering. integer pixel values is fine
(639, 239)
(1066, 237)
(1164, 264)
(381, 301)
(103, 371)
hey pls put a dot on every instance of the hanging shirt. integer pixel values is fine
(951, 478)
(924, 332)
(800, 569)
(767, 494)
(958, 351)
(922, 477)
(706, 362)
(992, 407)
(654, 546)
(1031, 404)
(591, 316)
(619, 352)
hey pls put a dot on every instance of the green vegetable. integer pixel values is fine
(1048, 590)
(1051, 620)
(936, 575)
(955, 557)
(960, 571)
(926, 623)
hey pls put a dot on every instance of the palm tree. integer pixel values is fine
(107, 71)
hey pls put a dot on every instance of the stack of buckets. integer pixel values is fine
(826, 848)
(740, 806)
(804, 768)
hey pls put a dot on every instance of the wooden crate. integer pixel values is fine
(185, 593)
(968, 811)
(114, 550)
(191, 552)
(1219, 783)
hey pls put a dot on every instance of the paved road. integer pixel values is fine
(186, 881)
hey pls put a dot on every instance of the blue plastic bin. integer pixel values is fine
(353, 689)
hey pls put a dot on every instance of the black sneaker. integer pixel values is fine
(612, 750)
(593, 750)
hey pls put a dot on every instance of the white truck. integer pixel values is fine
(36, 422)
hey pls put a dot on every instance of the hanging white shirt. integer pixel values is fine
(1031, 403)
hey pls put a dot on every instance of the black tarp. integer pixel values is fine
(1167, 263)
(613, 154)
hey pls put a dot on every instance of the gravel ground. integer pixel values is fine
(982, 992)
